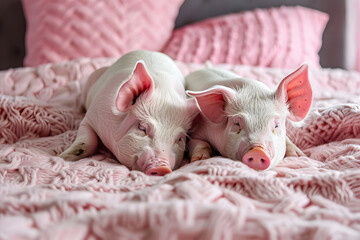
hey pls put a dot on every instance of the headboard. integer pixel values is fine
(12, 34)
(332, 53)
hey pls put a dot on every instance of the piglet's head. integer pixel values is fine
(253, 117)
(153, 126)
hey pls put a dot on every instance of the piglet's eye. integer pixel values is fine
(182, 139)
(237, 121)
(275, 127)
(142, 127)
(236, 128)
(239, 129)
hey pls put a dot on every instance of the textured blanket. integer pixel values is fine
(44, 197)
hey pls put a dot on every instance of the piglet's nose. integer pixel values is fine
(158, 171)
(257, 159)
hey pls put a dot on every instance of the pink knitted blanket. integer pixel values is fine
(44, 197)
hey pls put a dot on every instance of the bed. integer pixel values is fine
(310, 197)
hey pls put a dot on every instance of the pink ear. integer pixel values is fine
(192, 108)
(211, 102)
(139, 82)
(296, 89)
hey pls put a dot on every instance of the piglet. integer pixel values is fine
(243, 119)
(138, 108)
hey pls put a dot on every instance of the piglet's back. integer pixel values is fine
(105, 82)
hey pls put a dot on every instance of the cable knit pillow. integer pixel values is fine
(276, 37)
(60, 30)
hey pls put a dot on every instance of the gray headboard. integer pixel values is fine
(12, 34)
(332, 53)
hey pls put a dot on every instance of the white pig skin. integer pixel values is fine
(138, 108)
(238, 114)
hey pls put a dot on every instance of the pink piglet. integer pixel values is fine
(243, 119)
(138, 108)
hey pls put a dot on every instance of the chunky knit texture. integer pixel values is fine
(275, 37)
(60, 30)
(44, 197)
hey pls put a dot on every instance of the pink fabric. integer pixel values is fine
(275, 37)
(60, 30)
(42, 196)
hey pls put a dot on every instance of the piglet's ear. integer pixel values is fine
(296, 90)
(139, 82)
(192, 108)
(211, 102)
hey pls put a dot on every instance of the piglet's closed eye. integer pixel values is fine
(296, 90)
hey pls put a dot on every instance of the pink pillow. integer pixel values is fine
(60, 30)
(275, 37)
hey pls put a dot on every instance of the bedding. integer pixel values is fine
(274, 37)
(45, 197)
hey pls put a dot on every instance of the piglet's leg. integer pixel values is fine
(199, 150)
(84, 145)
(292, 150)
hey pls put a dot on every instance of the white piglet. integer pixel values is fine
(243, 119)
(138, 109)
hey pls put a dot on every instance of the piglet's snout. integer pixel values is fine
(157, 167)
(159, 171)
(257, 159)
(155, 163)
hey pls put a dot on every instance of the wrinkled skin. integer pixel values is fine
(243, 119)
(138, 108)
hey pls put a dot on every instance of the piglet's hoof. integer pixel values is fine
(201, 154)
